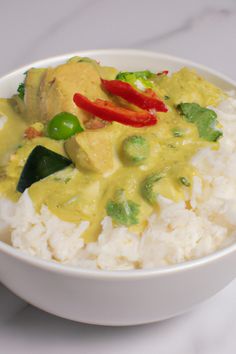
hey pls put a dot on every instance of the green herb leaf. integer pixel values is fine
(204, 118)
(185, 181)
(143, 77)
(21, 90)
(177, 132)
(123, 211)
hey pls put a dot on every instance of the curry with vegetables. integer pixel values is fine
(90, 141)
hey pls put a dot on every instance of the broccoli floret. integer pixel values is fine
(123, 211)
(147, 187)
(204, 118)
(137, 78)
(135, 149)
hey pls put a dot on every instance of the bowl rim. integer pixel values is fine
(115, 274)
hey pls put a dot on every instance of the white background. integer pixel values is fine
(204, 31)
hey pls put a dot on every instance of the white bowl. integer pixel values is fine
(116, 297)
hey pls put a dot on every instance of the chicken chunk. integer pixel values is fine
(32, 94)
(91, 150)
(60, 84)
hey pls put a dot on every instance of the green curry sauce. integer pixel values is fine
(116, 170)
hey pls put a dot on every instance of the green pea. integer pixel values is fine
(148, 186)
(63, 125)
(135, 149)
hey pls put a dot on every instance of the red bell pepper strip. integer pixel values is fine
(109, 112)
(131, 95)
(164, 72)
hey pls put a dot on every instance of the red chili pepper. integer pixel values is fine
(109, 112)
(164, 72)
(130, 94)
(150, 93)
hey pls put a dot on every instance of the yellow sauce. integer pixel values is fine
(11, 132)
(76, 194)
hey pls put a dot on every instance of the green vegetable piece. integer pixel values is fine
(143, 78)
(40, 164)
(204, 118)
(145, 74)
(63, 125)
(135, 149)
(147, 187)
(166, 97)
(177, 132)
(77, 59)
(86, 60)
(185, 181)
(21, 90)
(123, 211)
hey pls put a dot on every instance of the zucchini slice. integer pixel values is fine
(41, 163)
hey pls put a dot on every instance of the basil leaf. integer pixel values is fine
(204, 118)
(123, 211)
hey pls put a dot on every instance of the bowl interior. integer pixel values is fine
(125, 60)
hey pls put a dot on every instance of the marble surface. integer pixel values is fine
(203, 31)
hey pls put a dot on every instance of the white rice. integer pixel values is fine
(175, 235)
